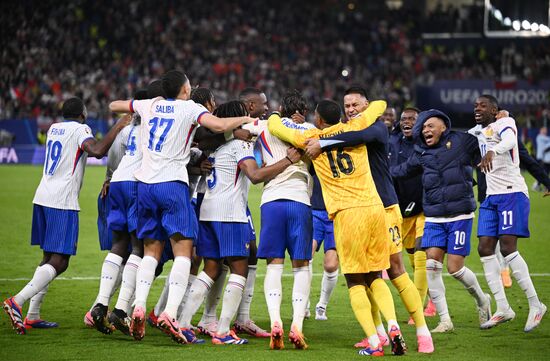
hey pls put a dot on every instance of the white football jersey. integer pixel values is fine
(505, 177)
(131, 160)
(294, 183)
(63, 166)
(194, 179)
(226, 194)
(167, 130)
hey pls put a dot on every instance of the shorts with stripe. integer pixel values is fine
(413, 228)
(394, 221)
(453, 237)
(286, 225)
(103, 231)
(504, 214)
(55, 230)
(252, 231)
(323, 230)
(223, 239)
(164, 209)
(362, 239)
(123, 206)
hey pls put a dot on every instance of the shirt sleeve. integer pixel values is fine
(351, 139)
(84, 133)
(198, 110)
(507, 131)
(296, 137)
(368, 117)
(117, 151)
(243, 150)
(472, 147)
(256, 127)
(410, 168)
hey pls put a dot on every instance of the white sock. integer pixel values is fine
(374, 341)
(197, 292)
(190, 281)
(521, 274)
(329, 281)
(501, 261)
(380, 330)
(231, 300)
(213, 298)
(144, 278)
(34, 304)
(178, 284)
(273, 290)
(42, 277)
(243, 314)
(128, 285)
(310, 267)
(300, 295)
(109, 274)
(469, 280)
(161, 302)
(491, 268)
(436, 287)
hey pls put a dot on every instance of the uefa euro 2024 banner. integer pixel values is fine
(460, 95)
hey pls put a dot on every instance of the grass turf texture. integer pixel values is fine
(68, 300)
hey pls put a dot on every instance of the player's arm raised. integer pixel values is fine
(368, 117)
(265, 174)
(99, 149)
(219, 125)
(314, 147)
(276, 127)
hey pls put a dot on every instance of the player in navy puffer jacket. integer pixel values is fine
(446, 159)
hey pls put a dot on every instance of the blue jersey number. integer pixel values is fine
(155, 124)
(54, 153)
(131, 145)
(211, 179)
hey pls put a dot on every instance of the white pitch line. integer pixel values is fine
(95, 278)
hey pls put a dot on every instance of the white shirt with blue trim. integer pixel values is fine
(64, 164)
(167, 130)
(227, 188)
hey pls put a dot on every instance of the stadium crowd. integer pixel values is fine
(102, 52)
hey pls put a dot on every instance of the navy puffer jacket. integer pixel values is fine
(446, 169)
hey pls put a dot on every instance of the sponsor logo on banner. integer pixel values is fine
(460, 95)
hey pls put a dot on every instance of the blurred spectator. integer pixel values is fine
(101, 51)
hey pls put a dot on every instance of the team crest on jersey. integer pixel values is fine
(488, 132)
(448, 145)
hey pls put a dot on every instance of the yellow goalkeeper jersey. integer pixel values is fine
(344, 173)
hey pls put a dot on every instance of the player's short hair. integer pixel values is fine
(246, 92)
(411, 109)
(172, 81)
(72, 108)
(491, 99)
(140, 94)
(329, 111)
(233, 108)
(155, 89)
(356, 89)
(293, 101)
(202, 96)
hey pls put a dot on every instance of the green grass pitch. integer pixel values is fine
(68, 299)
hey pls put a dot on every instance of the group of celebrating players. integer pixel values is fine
(178, 176)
